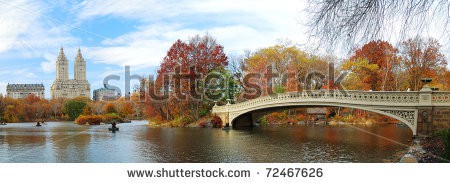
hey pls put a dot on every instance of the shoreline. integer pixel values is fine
(425, 149)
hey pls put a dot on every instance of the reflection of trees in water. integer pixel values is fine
(25, 139)
(73, 143)
(180, 145)
(71, 148)
(23, 133)
(269, 144)
(70, 143)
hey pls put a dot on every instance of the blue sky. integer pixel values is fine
(115, 33)
(138, 33)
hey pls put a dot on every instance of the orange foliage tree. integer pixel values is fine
(288, 62)
(198, 56)
(422, 58)
(109, 108)
(382, 54)
(126, 110)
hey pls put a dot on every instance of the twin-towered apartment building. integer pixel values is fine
(63, 86)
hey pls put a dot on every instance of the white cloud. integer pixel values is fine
(49, 65)
(139, 9)
(235, 24)
(26, 31)
(14, 22)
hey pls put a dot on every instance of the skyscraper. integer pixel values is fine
(63, 87)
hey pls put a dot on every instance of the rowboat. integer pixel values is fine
(113, 129)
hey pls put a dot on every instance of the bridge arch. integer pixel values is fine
(401, 105)
(404, 116)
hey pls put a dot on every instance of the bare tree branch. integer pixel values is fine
(348, 22)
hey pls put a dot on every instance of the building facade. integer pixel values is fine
(63, 87)
(18, 91)
(104, 94)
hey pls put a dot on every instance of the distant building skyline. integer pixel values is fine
(105, 94)
(18, 91)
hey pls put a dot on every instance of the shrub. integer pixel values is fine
(264, 121)
(301, 117)
(349, 119)
(97, 119)
(445, 134)
(276, 117)
(90, 119)
(338, 118)
(186, 120)
(291, 121)
(157, 120)
(217, 122)
(202, 124)
(181, 121)
(113, 117)
(203, 112)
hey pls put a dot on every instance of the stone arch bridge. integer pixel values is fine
(422, 111)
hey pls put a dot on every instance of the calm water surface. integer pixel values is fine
(136, 142)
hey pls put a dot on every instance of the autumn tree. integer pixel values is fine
(97, 107)
(288, 63)
(382, 54)
(12, 110)
(87, 110)
(10, 113)
(126, 109)
(360, 73)
(42, 109)
(109, 108)
(30, 108)
(421, 58)
(31, 99)
(190, 61)
(137, 102)
(56, 106)
(445, 80)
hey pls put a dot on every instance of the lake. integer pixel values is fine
(138, 143)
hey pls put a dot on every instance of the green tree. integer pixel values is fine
(226, 85)
(74, 108)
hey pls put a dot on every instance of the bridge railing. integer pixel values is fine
(386, 98)
(440, 97)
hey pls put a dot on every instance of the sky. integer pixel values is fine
(138, 33)
(115, 33)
